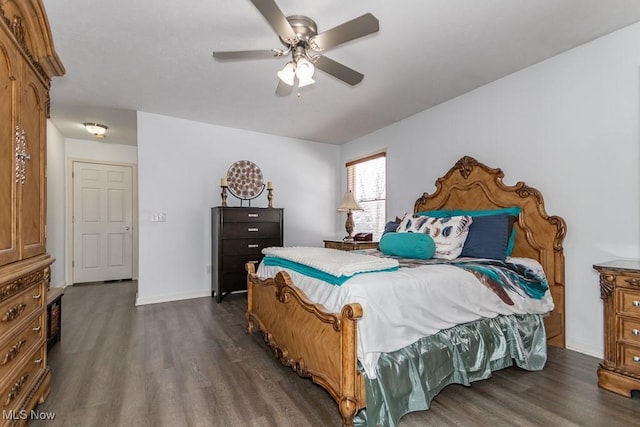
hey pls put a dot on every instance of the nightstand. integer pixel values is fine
(620, 292)
(349, 246)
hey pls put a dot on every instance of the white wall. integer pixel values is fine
(56, 204)
(180, 166)
(567, 126)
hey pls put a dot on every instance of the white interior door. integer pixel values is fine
(102, 222)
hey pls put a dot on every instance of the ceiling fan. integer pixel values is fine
(300, 36)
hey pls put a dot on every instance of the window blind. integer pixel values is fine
(366, 178)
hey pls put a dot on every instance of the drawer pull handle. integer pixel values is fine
(636, 359)
(38, 361)
(37, 297)
(254, 262)
(15, 390)
(252, 215)
(13, 352)
(37, 329)
(635, 303)
(14, 312)
(253, 229)
(252, 246)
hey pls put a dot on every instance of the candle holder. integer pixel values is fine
(223, 194)
(270, 196)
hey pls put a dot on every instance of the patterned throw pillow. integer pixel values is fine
(412, 223)
(449, 234)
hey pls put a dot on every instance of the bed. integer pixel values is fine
(323, 344)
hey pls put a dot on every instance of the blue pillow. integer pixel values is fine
(488, 237)
(407, 245)
(513, 211)
(391, 226)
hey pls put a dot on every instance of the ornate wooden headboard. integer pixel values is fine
(470, 184)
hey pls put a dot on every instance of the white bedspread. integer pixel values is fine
(332, 261)
(400, 307)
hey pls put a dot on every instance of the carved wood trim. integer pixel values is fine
(16, 286)
(633, 281)
(27, 21)
(607, 284)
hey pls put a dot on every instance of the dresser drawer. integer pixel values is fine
(15, 389)
(251, 215)
(630, 358)
(247, 246)
(628, 302)
(234, 281)
(20, 306)
(628, 280)
(21, 342)
(235, 263)
(250, 230)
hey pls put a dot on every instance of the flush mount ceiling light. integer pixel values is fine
(300, 36)
(96, 129)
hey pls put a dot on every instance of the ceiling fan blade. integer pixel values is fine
(338, 70)
(270, 10)
(358, 27)
(245, 54)
(283, 89)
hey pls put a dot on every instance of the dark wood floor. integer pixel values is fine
(191, 363)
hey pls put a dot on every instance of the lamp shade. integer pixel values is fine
(349, 203)
(304, 69)
(287, 73)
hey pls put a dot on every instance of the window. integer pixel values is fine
(366, 178)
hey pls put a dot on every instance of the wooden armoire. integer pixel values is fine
(28, 61)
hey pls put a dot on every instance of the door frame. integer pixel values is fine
(70, 209)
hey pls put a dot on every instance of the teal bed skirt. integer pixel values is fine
(408, 379)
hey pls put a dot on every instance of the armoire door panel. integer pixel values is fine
(32, 188)
(8, 87)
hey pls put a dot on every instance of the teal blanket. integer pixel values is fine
(313, 272)
(500, 276)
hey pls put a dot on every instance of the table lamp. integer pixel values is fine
(348, 205)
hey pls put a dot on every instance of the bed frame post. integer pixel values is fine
(251, 269)
(348, 403)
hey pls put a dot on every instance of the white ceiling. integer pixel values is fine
(155, 56)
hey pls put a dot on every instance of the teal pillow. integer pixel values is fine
(512, 211)
(408, 245)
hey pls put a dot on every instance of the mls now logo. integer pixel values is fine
(27, 415)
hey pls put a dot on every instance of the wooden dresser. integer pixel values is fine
(620, 291)
(238, 235)
(27, 63)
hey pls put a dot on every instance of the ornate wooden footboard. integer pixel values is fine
(315, 343)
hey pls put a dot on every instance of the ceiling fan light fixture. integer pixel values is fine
(96, 129)
(287, 74)
(305, 81)
(304, 70)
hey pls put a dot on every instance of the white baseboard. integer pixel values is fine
(586, 349)
(171, 297)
